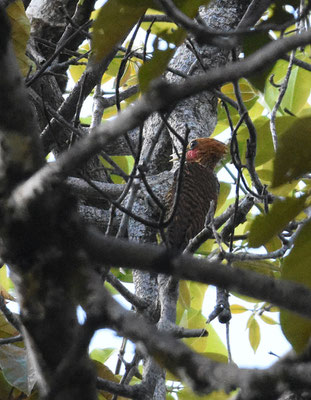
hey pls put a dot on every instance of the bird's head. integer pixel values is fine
(206, 151)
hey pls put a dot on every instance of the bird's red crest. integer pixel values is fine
(206, 151)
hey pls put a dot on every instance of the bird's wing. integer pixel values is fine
(199, 188)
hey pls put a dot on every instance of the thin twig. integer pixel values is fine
(14, 339)
(12, 318)
(283, 88)
(136, 301)
(48, 62)
(202, 33)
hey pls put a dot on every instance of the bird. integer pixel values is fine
(199, 187)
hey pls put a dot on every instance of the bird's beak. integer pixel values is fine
(174, 157)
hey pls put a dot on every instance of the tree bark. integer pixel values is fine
(198, 114)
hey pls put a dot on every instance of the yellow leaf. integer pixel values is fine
(205, 247)
(158, 27)
(184, 294)
(273, 244)
(76, 71)
(6, 329)
(254, 334)
(268, 320)
(260, 266)
(237, 309)
(247, 91)
(5, 283)
(113, 22)
(20, 34)
(104, 372)
(210, 346)
(197, 293)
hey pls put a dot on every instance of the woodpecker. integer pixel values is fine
(199, 187)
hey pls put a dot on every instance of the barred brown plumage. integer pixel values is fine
(198, 188)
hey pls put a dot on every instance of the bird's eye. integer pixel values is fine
(193, 144)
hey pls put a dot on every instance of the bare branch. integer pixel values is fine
(202, 33)
(282, 92)
(289, 295)
(163, 95)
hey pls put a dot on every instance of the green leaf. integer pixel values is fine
(254, 334)
(265, 150)
(195, 320)
(127, 277)
(6, 329)
(126, 163)
(102, 355)
(279, 14)
(251, 43)
(296, 268)
(224, 191)
(256, 111)
(154, 67)
(14, 368)
(205, 248)
(210, 346)
(293, 157)
(222, 118)
(86, 120)
(227, 203)
(111, 289)
(268, 225)
(5, 387)
(114, 21)
(298, 88)
(273, 244)
(265, 173)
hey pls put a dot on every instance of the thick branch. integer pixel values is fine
(289, 295)
(83, 189)
(161, 96)
(199, 372)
